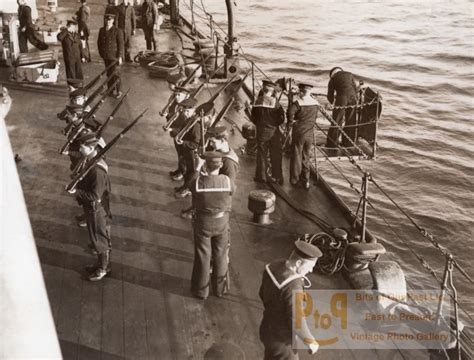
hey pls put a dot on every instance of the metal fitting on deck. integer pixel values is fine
(261, 204)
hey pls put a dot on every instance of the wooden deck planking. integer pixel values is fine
(113, 336)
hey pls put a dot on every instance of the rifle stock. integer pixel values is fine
(111, 116)
(90, 164)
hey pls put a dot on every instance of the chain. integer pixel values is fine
(356, 106)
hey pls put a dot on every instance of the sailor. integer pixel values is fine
(72, 50)
(191, 141)
(83, 15)
(75, 119)
(280, 279)
(212, 203)
(27, 30)
(127, 22)
(150, 17)
(110, 44)
(177, 112)
(216, 140)
(342, 83)
(302, 114)
(78, 97)
(93, 195)
(268, 115)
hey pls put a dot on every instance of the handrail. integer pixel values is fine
(422, 230)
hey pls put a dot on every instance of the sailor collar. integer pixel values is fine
(307, 101)
(281, 280)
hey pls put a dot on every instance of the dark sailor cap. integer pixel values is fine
(88, 139)
(109, 16)
(268, 84)
(205, 109)
(219, 132)
(189, 103)
(74, 82)
(213, 157)
(182, 89)
(71, 22)
(305, 85)
(307, 251)
(78, 92)
(174, 78)
(74, 107)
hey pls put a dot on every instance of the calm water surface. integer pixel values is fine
(419, 55)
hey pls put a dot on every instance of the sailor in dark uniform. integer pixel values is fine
(302, 114)
(268, 115)
(191, 141)
(110, 44)
(280, 279)
(216, 140)
(342, 83)
(93, 194)
(72, 50)
(127, 22)
(212, 203)
(177, 117)
(27, 30)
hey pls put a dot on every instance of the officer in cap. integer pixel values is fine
(191, 141)
(268, 115)
(343, 89)
(111, 50)
(301, 115)
(280, 279)
(212, 203)
(72, 50)
(92, 193)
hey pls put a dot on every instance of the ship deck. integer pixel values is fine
(144, 309)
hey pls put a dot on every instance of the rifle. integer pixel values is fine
(97, 91)
(100, 130)
(82, 162)
(175, 116)
(171, 100)
(96, 79)
(73, 135)
(230, 101)
(90, 99)
(201, 110)
(90, 164)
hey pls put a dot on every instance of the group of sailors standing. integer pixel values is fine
(268, 115)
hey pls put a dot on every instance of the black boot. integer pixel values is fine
(103, 270)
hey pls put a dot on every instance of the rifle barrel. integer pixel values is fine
(96, 79)
(97, 91)
(112, 114)
(72, 185)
